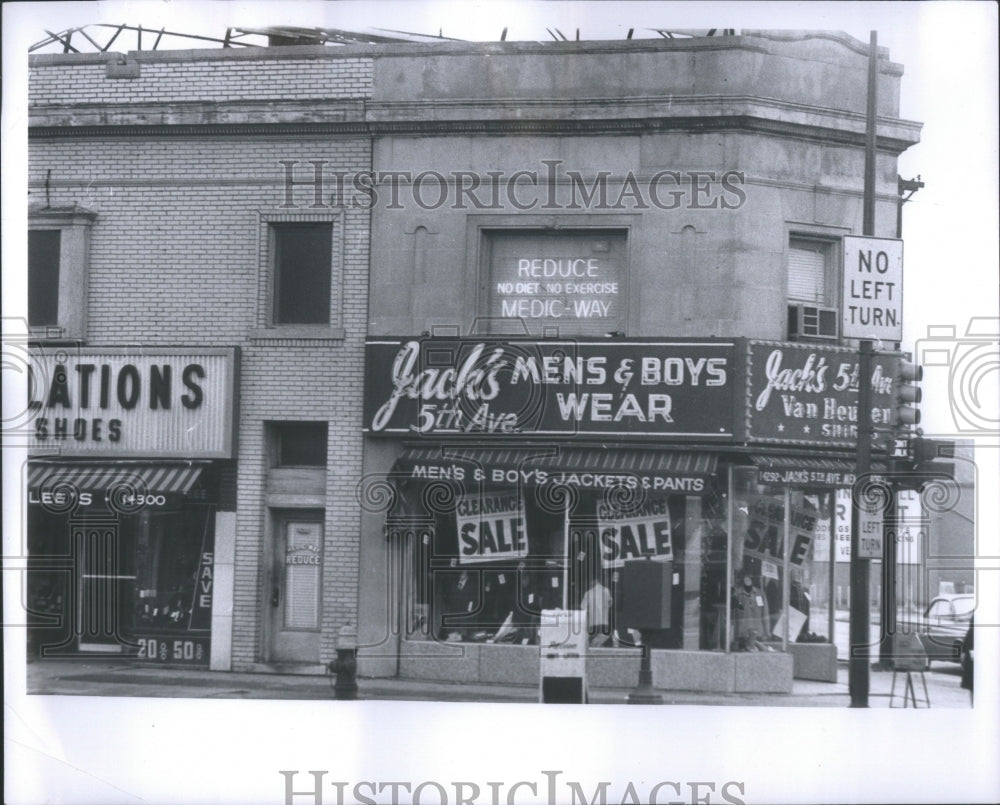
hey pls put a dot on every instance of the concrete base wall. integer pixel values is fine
(758, 672)
(817, 661)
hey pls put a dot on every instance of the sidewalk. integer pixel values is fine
(123, 678)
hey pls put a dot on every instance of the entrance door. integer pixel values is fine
(296, 585)
(105, 586)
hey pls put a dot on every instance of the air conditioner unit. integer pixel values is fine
(810, 321)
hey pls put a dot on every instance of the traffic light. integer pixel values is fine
(926, 455)
(905, 414)
(907, 394)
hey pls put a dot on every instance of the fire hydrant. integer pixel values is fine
(346, 665)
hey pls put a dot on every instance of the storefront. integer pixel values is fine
(128, 503)
(521, 475)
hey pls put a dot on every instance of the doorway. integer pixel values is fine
(296, 586)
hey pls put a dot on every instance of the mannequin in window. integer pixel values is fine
(750, 616)
(597, 603)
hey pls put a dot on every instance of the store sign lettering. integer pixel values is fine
(805, 478)
(59, 498)
(491, 528)
(453, 471)
(764, 538)
(516, 388)
(643, 535)
(119, 402)
(205, 580)
(809, 395)
(302, 556)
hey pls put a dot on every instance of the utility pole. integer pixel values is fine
(860, 638)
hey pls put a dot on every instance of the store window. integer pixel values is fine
(812, 289)
(566, 282)
(140, 584)
(58, 244)
(488, 561)
(775, 572)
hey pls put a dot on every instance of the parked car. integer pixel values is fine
(943, 626)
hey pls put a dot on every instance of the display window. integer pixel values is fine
(489, 561)
(776, 572)
(135, 583)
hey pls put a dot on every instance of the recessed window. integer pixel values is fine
(570, 282)
(302, 272)
(300, 444)
(58, 247)
(43, 277)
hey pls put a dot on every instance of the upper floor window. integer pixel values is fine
(566, 282)
(302, 272)
(299, 444)
(58, 250)
(43, 277)
(300, 276)
(812, 289)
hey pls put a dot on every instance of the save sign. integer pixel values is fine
(491, 529)
(646, 534)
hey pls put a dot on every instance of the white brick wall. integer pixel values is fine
(175, 259)
(210, 80)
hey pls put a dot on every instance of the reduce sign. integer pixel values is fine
(873, 289)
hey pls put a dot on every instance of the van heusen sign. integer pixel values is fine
(477, 387)
(808, 395)
(133, 401)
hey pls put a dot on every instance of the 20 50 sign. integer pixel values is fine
(173, 649)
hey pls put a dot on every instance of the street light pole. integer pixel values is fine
(858, 649)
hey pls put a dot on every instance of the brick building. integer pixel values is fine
(161, 173)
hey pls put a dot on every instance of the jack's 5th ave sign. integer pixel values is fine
(808, 395)
(476, 387)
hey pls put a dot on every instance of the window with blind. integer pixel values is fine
(812, 309)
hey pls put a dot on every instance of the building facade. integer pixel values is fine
(483, 324)
(161, 175)
(611, 332)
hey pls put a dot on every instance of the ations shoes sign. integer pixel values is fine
(608, 387)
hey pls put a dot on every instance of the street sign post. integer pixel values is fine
(872, 303)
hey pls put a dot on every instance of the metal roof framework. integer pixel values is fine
(99, 37)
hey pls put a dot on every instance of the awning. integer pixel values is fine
(800, 471)
(683, 471)
(150, 478)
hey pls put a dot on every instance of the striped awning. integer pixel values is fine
(572, 465)
(158, 478)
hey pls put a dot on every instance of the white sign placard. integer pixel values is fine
(872, 302)
(491, 528)
(871, 532)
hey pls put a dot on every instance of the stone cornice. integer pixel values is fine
(890, 142)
